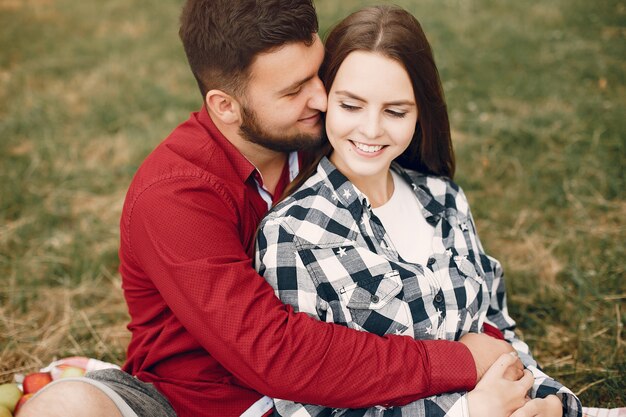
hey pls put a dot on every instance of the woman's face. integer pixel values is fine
(371, 114)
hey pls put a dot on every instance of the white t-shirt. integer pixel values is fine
(402, 218)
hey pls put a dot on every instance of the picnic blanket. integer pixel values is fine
(90, 364)
(604, 412)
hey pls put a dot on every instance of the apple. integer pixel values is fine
(35, 381)
(21, 402)
(72, 372)
(10, 394)
(5, 412)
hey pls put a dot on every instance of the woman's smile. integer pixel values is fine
(368, 150)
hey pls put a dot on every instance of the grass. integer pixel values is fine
(536, 94)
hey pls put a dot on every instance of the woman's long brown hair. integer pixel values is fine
(394, 33)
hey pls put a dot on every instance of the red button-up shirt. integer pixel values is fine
(209, 332)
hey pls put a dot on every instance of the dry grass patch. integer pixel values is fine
(59, 323)
(532, 255)
(106, 152)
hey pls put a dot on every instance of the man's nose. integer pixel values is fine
(319, 98)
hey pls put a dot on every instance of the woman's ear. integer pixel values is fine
(223, 107)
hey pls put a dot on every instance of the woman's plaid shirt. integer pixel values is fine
(326, 253)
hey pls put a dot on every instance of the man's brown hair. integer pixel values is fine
(222, 37)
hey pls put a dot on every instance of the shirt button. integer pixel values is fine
(375, 299)
(438, 298)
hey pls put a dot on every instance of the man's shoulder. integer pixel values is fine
(188, 160)
(165, 165)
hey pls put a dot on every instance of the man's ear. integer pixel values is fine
(223, 106)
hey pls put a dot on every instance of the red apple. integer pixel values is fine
(35, 381)
(21, 402)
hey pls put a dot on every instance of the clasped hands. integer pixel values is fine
(503, 383)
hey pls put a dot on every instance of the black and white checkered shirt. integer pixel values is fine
(327, 254)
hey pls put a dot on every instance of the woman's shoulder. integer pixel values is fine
(312, 216)
(442, 190)
(437, 185)
(312, 195)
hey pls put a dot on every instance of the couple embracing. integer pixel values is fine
(298, 247)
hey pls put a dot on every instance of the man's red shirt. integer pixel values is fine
(209, 332)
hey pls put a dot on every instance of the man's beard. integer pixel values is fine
(252, 131)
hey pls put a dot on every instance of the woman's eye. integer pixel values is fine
(397, 114)
(348, 107)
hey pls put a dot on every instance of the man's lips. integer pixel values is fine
(313, 119)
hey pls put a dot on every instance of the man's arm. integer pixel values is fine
(187, 240)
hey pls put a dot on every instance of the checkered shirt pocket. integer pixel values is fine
(360, 286)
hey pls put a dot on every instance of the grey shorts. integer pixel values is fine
(132, 397)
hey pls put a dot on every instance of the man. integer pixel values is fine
(207, 330)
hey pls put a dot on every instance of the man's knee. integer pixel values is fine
(70, 399)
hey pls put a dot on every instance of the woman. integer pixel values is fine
(377, 237)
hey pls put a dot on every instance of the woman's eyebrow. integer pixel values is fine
(349, 94)
(389, 103)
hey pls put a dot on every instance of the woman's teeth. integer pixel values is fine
(368, 148)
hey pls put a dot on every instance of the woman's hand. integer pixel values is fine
(497, 396)
(541, 407)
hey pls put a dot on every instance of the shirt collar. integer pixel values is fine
(290, 171)
(432, 208)
(343, 190)
(242, 167)
(355, 201)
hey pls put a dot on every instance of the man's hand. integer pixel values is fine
(495, 395)
(486, 350)
(541, 407)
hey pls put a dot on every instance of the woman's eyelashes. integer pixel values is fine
(349, 107)
(395, 113)
(390, 112)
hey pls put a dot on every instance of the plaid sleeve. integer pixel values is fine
(498, 316)
(543, 385)
(444, 405)
(277, 260)
(452, 404)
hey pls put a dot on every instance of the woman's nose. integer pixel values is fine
(371, 126)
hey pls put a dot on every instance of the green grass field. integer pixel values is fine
(537, 97)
